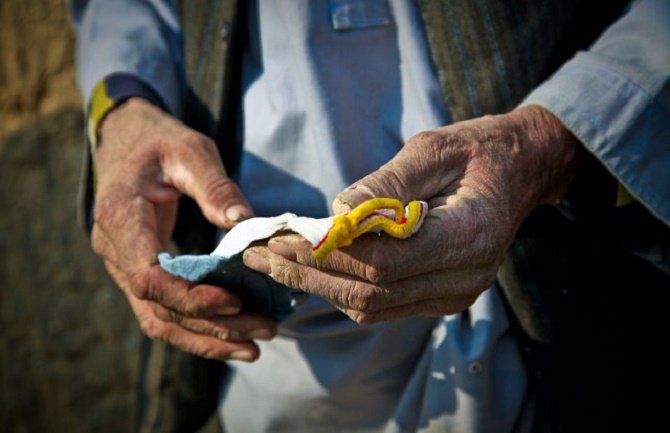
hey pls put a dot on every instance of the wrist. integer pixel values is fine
(553, 151)
(112, 92)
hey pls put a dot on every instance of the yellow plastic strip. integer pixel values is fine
(98, 108)
(623, 196)
(366, 218)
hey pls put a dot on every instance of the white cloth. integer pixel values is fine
(254, 229)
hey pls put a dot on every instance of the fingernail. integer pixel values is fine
(257, 262)
(260, 334)
(351, 197)
(242, 355)
(282, 248)
(237, 213)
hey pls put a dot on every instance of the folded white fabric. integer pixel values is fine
(254, 229)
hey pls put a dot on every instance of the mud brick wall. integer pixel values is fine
(68, 342)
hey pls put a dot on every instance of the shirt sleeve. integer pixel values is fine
(135, 38)
(615, 97)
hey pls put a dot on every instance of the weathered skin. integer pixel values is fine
(481, 178)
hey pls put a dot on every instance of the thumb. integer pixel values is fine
(197, 171)
(411, 175)
(354, 195)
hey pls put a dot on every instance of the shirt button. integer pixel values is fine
(474, 367)
(225, 31)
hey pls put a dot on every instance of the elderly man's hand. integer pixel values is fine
(145, 160)
(481, 179)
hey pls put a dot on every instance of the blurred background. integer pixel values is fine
(67, 339)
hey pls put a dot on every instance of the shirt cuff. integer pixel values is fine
(111, 92)
(620, 121)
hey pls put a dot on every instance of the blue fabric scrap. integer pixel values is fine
(258, 292)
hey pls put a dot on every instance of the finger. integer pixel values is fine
(418, 172)
(239, 327)
(427, 307)
(154, 284)
(352, 293)
(383, 259)
(189, 341)
(132, 256)
(195, 168)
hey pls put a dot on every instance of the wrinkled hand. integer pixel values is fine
(481, 178)
(145, 160)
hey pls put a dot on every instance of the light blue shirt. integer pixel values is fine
(330, 95)
(325, 107)
(332, 91)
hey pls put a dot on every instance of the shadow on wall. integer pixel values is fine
(68, 349)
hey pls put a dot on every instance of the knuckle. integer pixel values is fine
(149, 285)
(427, 139)
(374, 274)
(366, 319)
(189, 308)
(357, 317)
(382, 267)
(161, 313)
(392, 181)
(151, 329)
(141, 286)
(361, 297)
(194, 141)
(433, 145)
(355, 300)
(440, 148)
(289, 275)
(197, 302)
(167, 315)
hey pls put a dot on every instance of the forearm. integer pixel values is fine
(139, 38)
(615, 97)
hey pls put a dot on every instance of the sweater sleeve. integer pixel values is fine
(141, 39)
